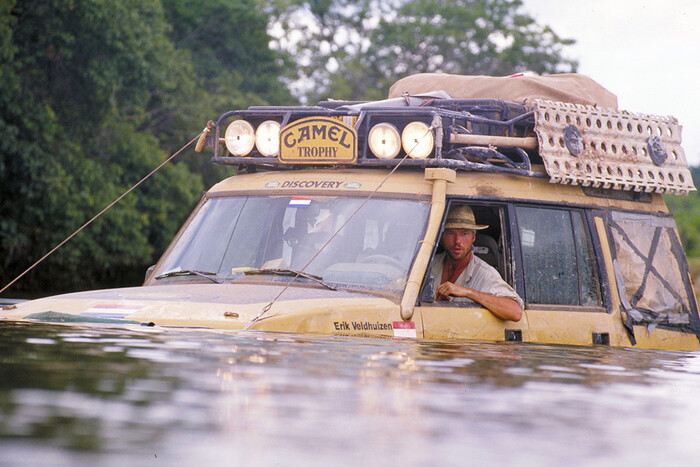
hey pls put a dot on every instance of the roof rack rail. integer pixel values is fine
(471, 134)
(572, 143)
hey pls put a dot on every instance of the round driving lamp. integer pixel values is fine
(239, 138)
(267, 138)
(384, 141)
(417, 140)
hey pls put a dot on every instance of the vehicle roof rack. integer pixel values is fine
(489, 119)
(571, 143)
(614, 149)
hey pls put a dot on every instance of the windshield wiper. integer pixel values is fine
(291, 272)
(189, 272)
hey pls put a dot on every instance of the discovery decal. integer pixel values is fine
(310, 184)
(322, 184)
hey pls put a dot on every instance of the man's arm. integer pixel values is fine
(502, 307)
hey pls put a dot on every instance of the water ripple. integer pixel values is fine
(95, 395)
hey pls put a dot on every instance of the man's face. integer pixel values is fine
(458, 242)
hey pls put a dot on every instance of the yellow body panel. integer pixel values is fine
(574, 327)
(413, 183)
(349, 317)
(663, 339)
(357, 316)
(467, 324)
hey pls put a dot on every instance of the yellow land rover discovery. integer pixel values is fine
(334, 218)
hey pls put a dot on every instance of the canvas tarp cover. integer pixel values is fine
(570, 87)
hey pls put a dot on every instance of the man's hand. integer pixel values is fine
(448, 288)
(502, 307)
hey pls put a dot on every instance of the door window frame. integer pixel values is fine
(601, 279)
(504, 243)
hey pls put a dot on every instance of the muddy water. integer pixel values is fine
(148, 396)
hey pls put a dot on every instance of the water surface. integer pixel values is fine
(153, 396)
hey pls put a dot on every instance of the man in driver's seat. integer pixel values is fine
(465, 277)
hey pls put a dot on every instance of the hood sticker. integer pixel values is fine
(404, 330)
(111, 311)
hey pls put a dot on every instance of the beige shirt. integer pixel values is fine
(478, 275)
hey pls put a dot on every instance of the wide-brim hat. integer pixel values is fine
(462, 217)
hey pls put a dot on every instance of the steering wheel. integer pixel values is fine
(383, 259)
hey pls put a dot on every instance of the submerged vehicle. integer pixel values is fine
(335, 214)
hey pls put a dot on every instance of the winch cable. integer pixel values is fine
(436, 122)
(109, 206)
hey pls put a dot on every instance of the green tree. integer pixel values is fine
(686, 210)
(93, 95)
(356, 50)
(75, 74)
(232, 67)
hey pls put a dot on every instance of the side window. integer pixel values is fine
(487, 245)
(649, 263)
(558, 263)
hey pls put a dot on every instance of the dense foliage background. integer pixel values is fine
(95, 93)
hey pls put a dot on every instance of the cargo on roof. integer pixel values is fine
(568, 87)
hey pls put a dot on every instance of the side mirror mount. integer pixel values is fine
(149, 271)
(428, 291)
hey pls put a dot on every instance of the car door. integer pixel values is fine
(470, 321)
(560, 276)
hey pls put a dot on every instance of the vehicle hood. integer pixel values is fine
(226, 306)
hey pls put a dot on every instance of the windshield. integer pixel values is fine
(375, 248)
